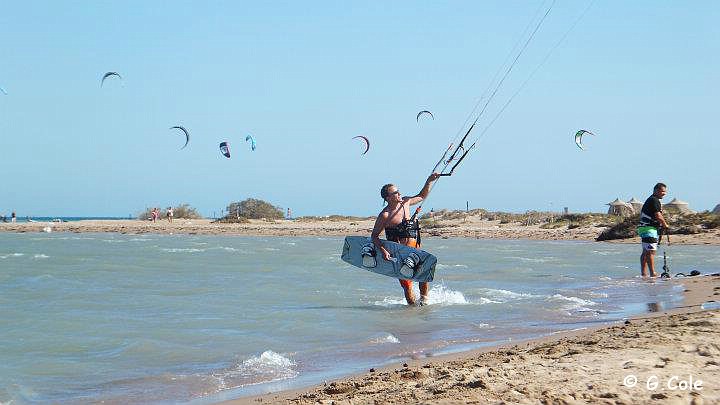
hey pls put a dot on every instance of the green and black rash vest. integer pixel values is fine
(648, 227)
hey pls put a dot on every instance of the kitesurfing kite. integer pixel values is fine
(367, 143)
(3, 91)
(109, 74)
(578, 137)
(417, 118)
(187, 134)
(252, 141)
(225, 149)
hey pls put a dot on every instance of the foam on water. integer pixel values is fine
(114, 240)
(389, 338)
(572, 304)
(11, 255)
(500, 295)
(449, 266)
(266, 367)
(438, 295)
(183, 250)
(40, 256)
(442, 295)
(533, 259)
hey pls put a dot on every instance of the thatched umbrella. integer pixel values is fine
(636, 204)
(677, 206)
(620, 208)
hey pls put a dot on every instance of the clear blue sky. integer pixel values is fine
(305, 77)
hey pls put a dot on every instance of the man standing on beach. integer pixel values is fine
(651, 219)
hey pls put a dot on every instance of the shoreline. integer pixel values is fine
(472, 228)
(572, 367)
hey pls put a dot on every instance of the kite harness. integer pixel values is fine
(408, 228)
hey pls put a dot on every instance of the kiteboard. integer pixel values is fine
(408, 263)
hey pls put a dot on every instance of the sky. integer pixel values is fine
(304, 78)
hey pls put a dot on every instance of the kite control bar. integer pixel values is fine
(452, 169)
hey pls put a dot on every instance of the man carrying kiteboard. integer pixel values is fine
(651, 221)
(400, 227)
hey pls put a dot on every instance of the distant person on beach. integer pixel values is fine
(289, 214)
(394, 220)
(13, 217)
(169, 214)
(651, 227)
(154, 214)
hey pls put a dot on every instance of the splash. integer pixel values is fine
(269, 366)
(389, 338)
(442, 295)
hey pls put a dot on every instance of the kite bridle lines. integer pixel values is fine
(461, 151)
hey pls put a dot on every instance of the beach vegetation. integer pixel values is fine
(680, 224)
(184, 211)
(252, 208)
(622, 230)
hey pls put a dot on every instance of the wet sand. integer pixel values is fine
(471, 227)
(663, 352)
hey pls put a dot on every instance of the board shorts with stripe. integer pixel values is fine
(649, 237)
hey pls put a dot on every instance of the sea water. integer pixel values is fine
(185, 318)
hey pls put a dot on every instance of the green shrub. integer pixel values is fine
(184, 211)
(623, 230)
(252, 208)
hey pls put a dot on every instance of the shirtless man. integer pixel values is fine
(394, 221)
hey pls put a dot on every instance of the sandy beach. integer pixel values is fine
(668, 357)
(469, 227)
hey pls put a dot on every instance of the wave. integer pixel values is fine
(534, 259)
(506, 295)
(438, 295)
(268, 366)
(182, 250)
(225, 248)
(448, 266)
(572, 303)
(11, 255)
(40, 256)
(606, 253)
(389, 338)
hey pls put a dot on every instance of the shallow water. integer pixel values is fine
(163, 318)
